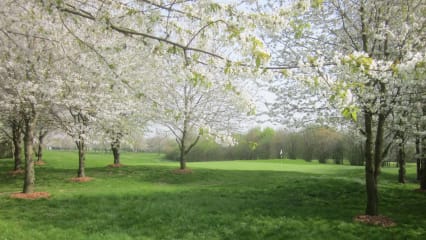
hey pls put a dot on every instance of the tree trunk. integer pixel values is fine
(418, 158)
(40, 147)
(81, 158)
(401, 162)
(29, 182)
(182, 148)
(115, 147)
(182, 160)
(17, 148)
(423, 151)
(423, 164)
(370, 173)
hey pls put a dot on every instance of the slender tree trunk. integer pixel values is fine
(40, 153)
(401, 163)
(370, 173)
(182, 160)
(81, 158)
(40, 146)
(115, 148)
(182, 149)
(17, 148)
(423, 164)
(29, 182)
(401, 158)
(418, 158)
(423, 151)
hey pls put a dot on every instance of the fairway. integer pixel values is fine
(262, 199)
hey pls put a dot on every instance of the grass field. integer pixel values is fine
(270, 199)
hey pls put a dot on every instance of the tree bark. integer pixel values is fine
(40, 145)
(401, 157)
(182, 148)
(182, 160)
(17, 148)
(423, 151)
(418, 158)
(370, 172)
(81, 158)
(401, 163)
(423, 164)
(115, 148)
(29, 182)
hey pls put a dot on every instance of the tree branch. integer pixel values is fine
(192, 145)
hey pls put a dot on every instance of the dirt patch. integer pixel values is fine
(17, 172)
(81, 179)
(182, 171)
(375, 220)
(116, 165)
(31, 196)
(420, 190)
(40, 163)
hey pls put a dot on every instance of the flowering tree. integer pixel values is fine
(364, 54)
(12, 129)
(29, 50)
(193, 102)
(80, 104)
(121, 115)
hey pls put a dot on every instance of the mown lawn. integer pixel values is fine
(271, 199)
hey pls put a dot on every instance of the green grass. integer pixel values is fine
(269, 199)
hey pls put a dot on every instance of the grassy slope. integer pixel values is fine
(271, 199)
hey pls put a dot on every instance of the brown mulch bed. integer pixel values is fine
(40, 163)
(116, 165)
(31, 196)
(375, 220)
(81, 179)
(182, 171)
(17, 172)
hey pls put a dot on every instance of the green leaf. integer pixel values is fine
(317, 3)
(227, 67)
(350, 113)
(285, 72)
(258, 61)
(172, 50)
(214, 7)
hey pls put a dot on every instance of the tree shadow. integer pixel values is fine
(211, 204)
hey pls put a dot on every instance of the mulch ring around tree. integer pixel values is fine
(40, 163)
(375, 220)
(81, 179)
(182, 171)
(17, 172)
(420, 190)
(116, 165)
(30, 196)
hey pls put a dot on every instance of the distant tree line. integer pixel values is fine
(312, 143)
(323, 144)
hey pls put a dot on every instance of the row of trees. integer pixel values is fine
(367, 60)
(96, 69)
(92, 67)
(312, 143)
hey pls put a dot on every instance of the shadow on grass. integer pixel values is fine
(150, 202)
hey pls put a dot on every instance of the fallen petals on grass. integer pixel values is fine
(182, 171)
(31, 196)
(375, 220)
(116, 165)
(81, 179)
